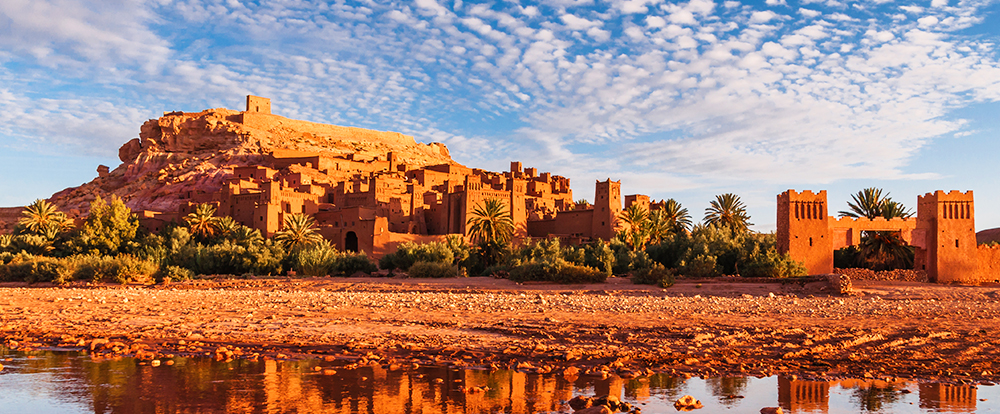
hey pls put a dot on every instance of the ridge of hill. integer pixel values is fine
(181, 153)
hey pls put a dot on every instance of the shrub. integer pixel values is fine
(350, 263)
(409, 253)
(655, 275)
(25, 268)
(432, 270)
(761, 259)
(123, 268)
(703, 265)
(560, 272)
(173, 274)
(318, 259)
(579, 274)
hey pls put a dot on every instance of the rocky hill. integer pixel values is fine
(180, 153)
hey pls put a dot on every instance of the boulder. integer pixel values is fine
(580, 402)
(687, 403)
(771, 410)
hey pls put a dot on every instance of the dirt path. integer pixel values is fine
(710, 328)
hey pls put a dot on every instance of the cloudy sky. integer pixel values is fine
(680, 99)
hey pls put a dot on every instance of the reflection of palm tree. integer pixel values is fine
(873, 398)
(728, 386)
(728, 211)
(299, 231)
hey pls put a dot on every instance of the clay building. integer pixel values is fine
(373, 204)
(943, 234)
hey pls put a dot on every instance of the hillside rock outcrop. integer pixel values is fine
(182, 153)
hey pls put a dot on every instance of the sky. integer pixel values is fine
(677, 99)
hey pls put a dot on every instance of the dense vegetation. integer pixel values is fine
(652, 247)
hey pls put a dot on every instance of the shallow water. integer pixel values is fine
(74, 382)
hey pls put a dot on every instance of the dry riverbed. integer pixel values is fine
(707, 328)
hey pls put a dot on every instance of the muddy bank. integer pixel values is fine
(698, 328)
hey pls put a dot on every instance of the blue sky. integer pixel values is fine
(679, 100)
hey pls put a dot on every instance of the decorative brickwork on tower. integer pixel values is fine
(804, 230)
(607, 208)
(949, 231)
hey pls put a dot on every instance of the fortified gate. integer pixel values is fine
(943, 233)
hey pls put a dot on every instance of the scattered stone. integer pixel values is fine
(580, 402)
(771, 410)
(687, 403)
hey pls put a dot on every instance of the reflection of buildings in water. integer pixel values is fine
(638, 388)
(799, 395)
(955, 398)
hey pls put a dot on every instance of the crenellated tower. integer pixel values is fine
(804, 231)
(607, 207)
(948, 251)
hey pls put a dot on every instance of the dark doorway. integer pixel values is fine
(351, 242)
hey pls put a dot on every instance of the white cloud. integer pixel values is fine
(809, 13)
(573, 22)
(939, 3)
(762, 16)
(655, 21)
(927, 21)
(776, 2)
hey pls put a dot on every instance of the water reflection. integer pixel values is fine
(68, 382)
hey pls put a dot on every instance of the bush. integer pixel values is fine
(432, 270)
(26, 268)
(559, 272)
(703, 265)
(318, 259)
(229, 258)
(350, 263)
(761, 259)
(173, 274)
(655, 275)
(123, 268)
(409, 253)
(580, 274)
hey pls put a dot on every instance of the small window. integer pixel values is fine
(810, 242)
(956, 243)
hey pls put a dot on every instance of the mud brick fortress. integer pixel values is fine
(374, 204)
(943, 234)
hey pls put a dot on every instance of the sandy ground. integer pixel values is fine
(707, 328)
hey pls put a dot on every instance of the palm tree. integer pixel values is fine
(676, 216)
(884, 250)
(728, 211)
(491, 227)
(299, 231)
(226, 226)
(636, 219)
(870, 203)
(44, 218)
(491, 223)
(203, 222)
(245, 236)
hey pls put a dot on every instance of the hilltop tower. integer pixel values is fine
(948, 225)
(607, 207)
(804, 230)
(258, 104)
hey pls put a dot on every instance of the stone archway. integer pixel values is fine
(351, 242)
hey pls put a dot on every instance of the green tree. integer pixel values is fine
(108, 230)
(636, 220)
(299, 231)
(491, 229)
(202, 222)
(225, 226)
(676, 217)
(879, 250)
(245, 236)
(44, 219)
(727, 210)
(871, 203)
